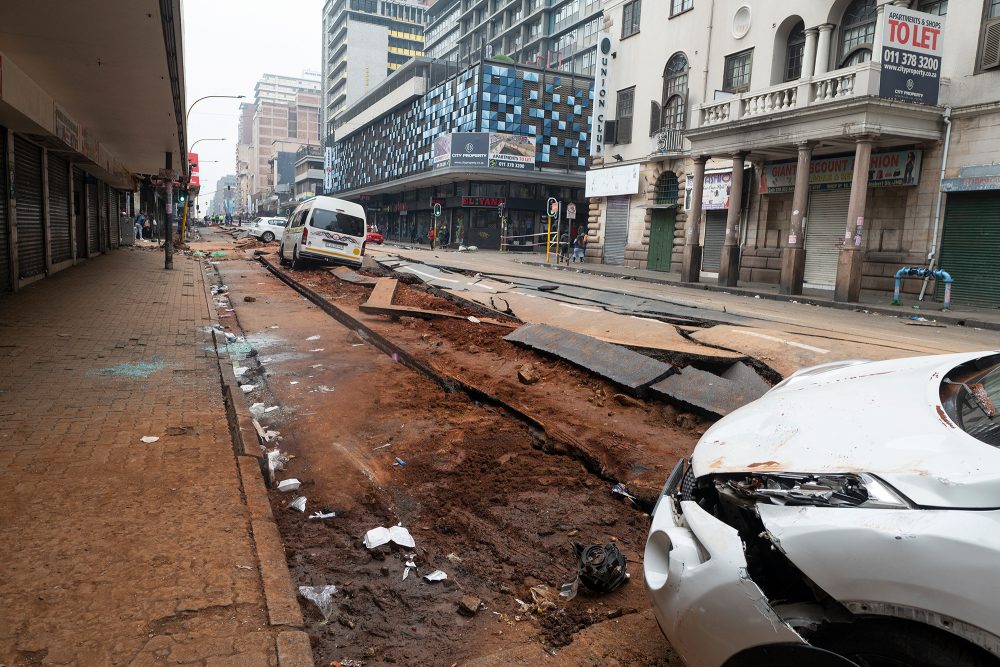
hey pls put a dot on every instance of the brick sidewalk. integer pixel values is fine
(117, 552)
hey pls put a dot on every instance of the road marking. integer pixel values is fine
(530, 296)
(648, 319)
(488, 289)
(589, 310)
(818, 350)
(428, 275)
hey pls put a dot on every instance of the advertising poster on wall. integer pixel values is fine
(484, 149)
(512, 151)
(442, 150)
(715, 192)
(912, 44)
(893, 169)
(328, 169)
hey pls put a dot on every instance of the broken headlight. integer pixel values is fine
(798, 489)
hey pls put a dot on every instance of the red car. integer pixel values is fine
(374, 237)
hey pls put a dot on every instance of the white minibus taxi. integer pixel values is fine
(324, 229)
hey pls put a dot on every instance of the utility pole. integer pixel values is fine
(168, 230)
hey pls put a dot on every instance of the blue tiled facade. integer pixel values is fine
(554, 108)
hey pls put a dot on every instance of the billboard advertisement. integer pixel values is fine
(484, 149)
(328, 170)
(195, 180)
(912, 44)
(833, 173)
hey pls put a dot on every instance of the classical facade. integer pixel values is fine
(803, 146)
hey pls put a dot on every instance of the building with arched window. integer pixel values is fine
(815, 143)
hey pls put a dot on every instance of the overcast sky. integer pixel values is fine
(228, 45)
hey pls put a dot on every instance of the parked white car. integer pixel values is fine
(268, 229)
(849, 517)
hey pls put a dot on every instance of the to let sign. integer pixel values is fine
(912, 44)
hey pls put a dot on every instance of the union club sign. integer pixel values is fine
(601, 85)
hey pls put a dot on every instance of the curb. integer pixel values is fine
(293, 647)
(948, 318)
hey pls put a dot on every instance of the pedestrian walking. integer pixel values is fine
(579, 245)
(430, 236)
(154, 231)
(146, 228)
(140, 218)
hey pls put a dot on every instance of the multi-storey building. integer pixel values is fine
(363, 42)
(803, 145)
(550, 34)
(285, 110)
(489, 143)
(244, 154)
(308, 172)
(224, 199)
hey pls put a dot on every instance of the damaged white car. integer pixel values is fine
(849, 517)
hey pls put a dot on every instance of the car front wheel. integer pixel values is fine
(888, 643)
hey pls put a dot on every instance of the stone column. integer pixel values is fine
(877, 42)
(823, 49)
(793, 255)
(848, 286)
(729, 266)
(809, 54)
(691, 265)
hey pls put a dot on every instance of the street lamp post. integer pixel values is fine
(206, 97)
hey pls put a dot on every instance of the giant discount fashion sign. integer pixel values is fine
(912, 44)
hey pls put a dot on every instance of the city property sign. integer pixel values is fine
(886, 170)
(328, 169)
(602, 82)
(912, 44)
(484, 150)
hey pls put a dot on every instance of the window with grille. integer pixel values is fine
(666, 191)
(794, 49)
(680, 6)
(737, 72)
(857, 33)
(675, 86)
(630, 18)
(625, 111)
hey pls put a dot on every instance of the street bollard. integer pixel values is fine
(919, 272)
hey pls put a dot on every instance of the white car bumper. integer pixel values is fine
(706, 604)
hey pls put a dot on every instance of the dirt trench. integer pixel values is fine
(488, 499)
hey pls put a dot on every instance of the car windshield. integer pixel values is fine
(975, 402)
(335, 221)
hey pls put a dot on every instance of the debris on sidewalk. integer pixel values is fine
(290, 484)
(266, 435)
(313, 338)
(410, 565)
(322, 515)
(436, 575)
(257, 409)
(321, 596)
(602, 569)
(239, 370)
(276, 460)
(622, 490)
(569, 589)
(469, 605)
(249, 299)
(376, 537)
(399, 462)
(544, 598)
(149, 438)
(298, 503)
(247, 388)
(473, 319)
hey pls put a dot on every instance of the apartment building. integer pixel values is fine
(803, 145)
(363, 42)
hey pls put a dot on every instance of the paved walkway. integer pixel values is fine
(115, 551)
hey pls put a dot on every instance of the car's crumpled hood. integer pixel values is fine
(883, 418)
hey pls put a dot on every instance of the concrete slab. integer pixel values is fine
(741, 373)
(351, 276)
(704, 391)
(620, 365)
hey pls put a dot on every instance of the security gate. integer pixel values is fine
(970, 245)
(28, 195)
(5, 284)
(615, 230)
(826, 220)
(715, 236)
(59, 214)
(661, 239)
(93, 220)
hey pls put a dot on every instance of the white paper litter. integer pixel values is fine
(410, 565)
(318, 349)
(313, 338)
(257, 409)
(376, 537)
(149, 438)
(473, 319)
(321, 596)
(247, 388)
(322, 515)
(239, 370)
(290, 484)
(323, 388)
(271, 409)
(436, 575)
(298, 503)
(294, 382)
(276, 460)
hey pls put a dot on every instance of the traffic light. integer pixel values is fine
(181, 196)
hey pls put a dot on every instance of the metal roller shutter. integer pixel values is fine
(28, 193)
(79, 210)
(715, 236)
(93, 220)
(970, 246)
(5, 285)
(826, 221)
(109, 210)
(615, 230)
(59, 216)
